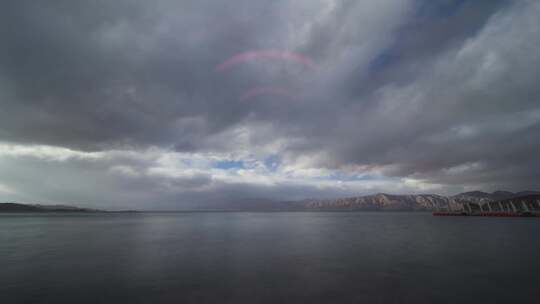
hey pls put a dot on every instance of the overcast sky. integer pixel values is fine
(172, 104)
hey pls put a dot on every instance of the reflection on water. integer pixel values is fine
(267, 258)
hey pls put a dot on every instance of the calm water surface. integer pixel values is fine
(268, 258)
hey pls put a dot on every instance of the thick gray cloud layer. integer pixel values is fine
(439, 92)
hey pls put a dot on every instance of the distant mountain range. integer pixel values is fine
(495, 196)
(15, 207)
(421, 202)
(376, 202)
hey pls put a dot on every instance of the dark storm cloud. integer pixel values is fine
(440, 91)
(472, 102)
(88, 75)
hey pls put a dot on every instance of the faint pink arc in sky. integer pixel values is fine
(267, 90)
(263, 54)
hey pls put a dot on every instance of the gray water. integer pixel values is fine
(268, 258)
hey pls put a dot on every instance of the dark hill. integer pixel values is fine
(15, 207)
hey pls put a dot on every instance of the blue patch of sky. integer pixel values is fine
(438, 9)
(229, 164)
(425, 10)
(384, 59)
(347, 177)
(442, 9)
(426, 13)
(272, 162)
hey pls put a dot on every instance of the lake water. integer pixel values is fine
(268, 258)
